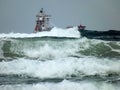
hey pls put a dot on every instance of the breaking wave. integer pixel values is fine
(61, 68)
(64, 85)
(57, 60)
(55, 32)
(52, 48)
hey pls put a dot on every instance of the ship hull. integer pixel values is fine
(103, 35)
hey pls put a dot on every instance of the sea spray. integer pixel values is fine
(58, 60)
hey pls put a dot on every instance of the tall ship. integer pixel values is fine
(42, 22)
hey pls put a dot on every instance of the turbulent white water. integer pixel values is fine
(36, 62)
(55, 32)
(60, 68)
(65, 85)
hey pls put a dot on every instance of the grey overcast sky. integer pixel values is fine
(19, 15)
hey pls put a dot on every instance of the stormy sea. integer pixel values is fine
(58, 60)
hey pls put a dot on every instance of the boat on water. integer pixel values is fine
(42, 22)
(103, 35)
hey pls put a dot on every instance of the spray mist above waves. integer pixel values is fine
(55, 32)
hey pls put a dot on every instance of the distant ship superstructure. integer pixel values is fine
(42, 22)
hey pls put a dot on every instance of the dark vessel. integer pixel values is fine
(42, 22)
(103, 35)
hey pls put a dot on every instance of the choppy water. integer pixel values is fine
(65, 62)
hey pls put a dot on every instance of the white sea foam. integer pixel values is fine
(65, 85)
(56, 32)
(114, 49)
(59, 61)
(50, 51)
(62, 67)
